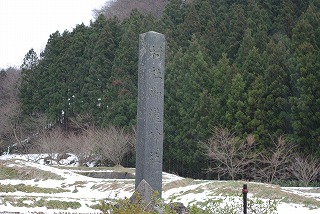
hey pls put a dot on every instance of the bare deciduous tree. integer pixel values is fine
(305, 169)
(122, 8)
(1, 144)
(81, 122)
(91, 144)
(229, 155)
(83, 145)
(8, 112)
(274, 162)
(113, 144)
(52, 142)
(15, 129)
(11, 130)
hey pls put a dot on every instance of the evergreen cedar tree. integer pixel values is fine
(250, 66)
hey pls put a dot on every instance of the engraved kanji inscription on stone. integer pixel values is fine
(155, 157)
(155, 115)
(155, 133)
(149, 146)
(156, 73)
(154, 92)
(156, 52)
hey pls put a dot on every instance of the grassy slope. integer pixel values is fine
(23, 184)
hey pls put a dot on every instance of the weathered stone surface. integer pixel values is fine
(144, 194)
(179, 208)
(149, 146)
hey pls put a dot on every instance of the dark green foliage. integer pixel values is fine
(306, 79)
(235, 116)
(188, 110)
(29, 84)
(278, 87)
(251, 66)
(221, 84)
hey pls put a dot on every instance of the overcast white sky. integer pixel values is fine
(26, 24)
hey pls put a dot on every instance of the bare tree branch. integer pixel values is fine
(83, 145)
(123, 8)
(52, 142)
(113, 144)
(274, 162)
(305, 169)
(229, 155)
(11, 129)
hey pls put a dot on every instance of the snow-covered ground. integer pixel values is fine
(89, 191)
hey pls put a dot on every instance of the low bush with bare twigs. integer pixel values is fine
(91, 145)
(113, 144)
(305, 169)
(229, 154)
(274, 162)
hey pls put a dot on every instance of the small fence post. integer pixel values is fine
(245, 195)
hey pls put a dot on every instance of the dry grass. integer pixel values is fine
(117, 168)
(120, 168)
(234, 188)
(29, 189)
(83, 168)
(43, 202)
(8, 170)
(107, 186)
(178, 183)
(259, 190)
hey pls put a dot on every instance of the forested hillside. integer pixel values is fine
(250, 66)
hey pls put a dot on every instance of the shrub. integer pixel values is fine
(230, 205)
(113, 144)
(229, 154)
(51, 142)
(124, 206)
(55, 204)
(305, 169)
(274, 162)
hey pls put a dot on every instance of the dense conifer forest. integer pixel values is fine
(250, 66)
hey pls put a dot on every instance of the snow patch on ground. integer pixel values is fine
(89, 191)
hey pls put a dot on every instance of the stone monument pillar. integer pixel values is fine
(149, 145)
